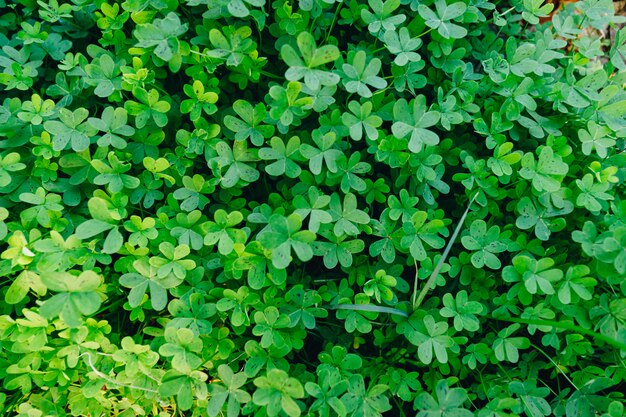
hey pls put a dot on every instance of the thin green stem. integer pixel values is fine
(383, 90)
(565, 326)
(368, 308)
(376, 39)
(506, 374)
(493, 18)
(110, 380)
(555, 364)
(496, 38)
(507, 11)
(482, 383)
(332, 25)
(414, 285)
(199, 53)
(399, 405)
(348, 99)
(260, 32)
(312, 27)
(525, 27)
(433, 276)
(269, 74)
(424, 32)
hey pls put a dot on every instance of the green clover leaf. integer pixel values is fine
(312, 57)
(486, 243)
(277, 392)
(76, 296)
(361, 120)
(361, 74)
(441, 18)
(414, 123)
(283, 235)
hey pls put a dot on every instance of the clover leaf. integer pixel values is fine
(172, 265)
(419, 232)
(382, 18)
(449, 402)
(76, 296)
(182, 345)
(326, 392)
(239, 8)
(402, 208)
(361, 120)
(347, 216)
(277, 392)
(235, 160)
(313, 207)
(542, 219)
(162, 34)
(593, 196)
(186, 227)
(360, 401)
(324, 154)
(463, 311)
(147, 279)
(104, 74)
(595, 138)
(184, 386)
(199, 101)
(380, 287)
(305, 308)
(287, 107)
(9, 162)
(402, 45)
(486, 243)
(227, 392)
(337, 249)
(72, 129)
(36, 110)
(285, 156)
(268, 325)
(283, 235)
(23, 283)
(112, 123)
(249, 124)
(534, 9)
(537, 276)
(414, 122)
(429, 336)
(148, 108)
(113, 174)
(361, 73)
(223, 231)
(576, 285)
(312, 57)
(546, 173)
(349, 170)
(441, 18)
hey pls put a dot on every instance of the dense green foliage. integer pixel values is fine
(312, 208)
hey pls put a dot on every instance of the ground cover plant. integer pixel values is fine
(312, 208)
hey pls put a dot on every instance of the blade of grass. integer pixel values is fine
(414, 297)
(369, 307)
(556, 365)
(110, 380)
(443, 258)
(565, 326)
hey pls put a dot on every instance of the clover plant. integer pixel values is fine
(285, 208)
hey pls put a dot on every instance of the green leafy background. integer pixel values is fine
(312, 208)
